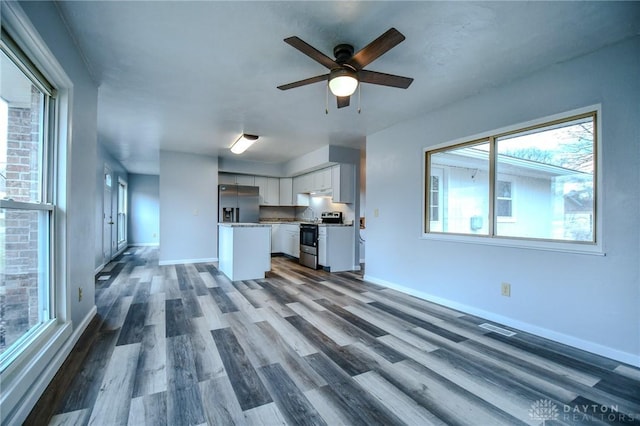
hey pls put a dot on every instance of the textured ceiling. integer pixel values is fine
(192, 76)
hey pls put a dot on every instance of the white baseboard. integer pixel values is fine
(575, 342)
(52, 363)
(184, 261)
(98, 269)
(144, 245)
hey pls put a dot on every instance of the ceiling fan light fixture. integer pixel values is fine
(242, 143)
(343, 82)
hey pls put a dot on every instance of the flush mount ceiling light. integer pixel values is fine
(343, 81)
(243, 142)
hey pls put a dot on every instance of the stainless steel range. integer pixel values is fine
(309, 239)
(309, 245)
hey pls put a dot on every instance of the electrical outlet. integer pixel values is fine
(79, 294)
(506, 289)
(376, 212)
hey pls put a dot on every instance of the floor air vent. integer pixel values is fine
(497, 329)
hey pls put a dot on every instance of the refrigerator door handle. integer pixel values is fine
(237, 218)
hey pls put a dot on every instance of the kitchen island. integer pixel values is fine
(244, 250)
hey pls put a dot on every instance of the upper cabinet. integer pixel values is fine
(233, 179)
(269, 190)
(286, 192)
(303, 183)
(343, 177)
(246, 180)
(322, 179)
(339, 181)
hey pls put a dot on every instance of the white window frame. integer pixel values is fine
(28, 373)
(589, 248)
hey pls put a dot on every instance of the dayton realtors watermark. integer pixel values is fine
(545, 409)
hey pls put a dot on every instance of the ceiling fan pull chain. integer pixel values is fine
(326, 100)
(359, 88)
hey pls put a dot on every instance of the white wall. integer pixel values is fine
(144, 209)
(188, 208)
(586, 301)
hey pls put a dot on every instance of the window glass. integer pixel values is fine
(554, 169)
(462, 195)
(25, 209)
(122, 212)
(535, 183)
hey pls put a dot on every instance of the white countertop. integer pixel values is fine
(298, 222)
(244, 225)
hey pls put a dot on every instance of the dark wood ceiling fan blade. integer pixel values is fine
(311, 52)
(343, 101)
(382, 79)
(304, 82)
(376, 48)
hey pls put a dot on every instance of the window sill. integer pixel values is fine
(555, 246)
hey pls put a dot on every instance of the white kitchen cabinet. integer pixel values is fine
(337, 252)
(261, 183)
(322, 245)
(321, 179)
(268, 190)
(273, 191)
(234, 179)
(343, 178)
(276, 232)
(243, 251)
(290, 239)
(303, 183)
(286, 191)
(226, 179)
(246, 180)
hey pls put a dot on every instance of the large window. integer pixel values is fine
(26, 203)
(533, 183)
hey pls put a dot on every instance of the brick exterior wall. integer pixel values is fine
(19, 272)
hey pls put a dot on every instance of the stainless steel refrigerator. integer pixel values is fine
(238, 203)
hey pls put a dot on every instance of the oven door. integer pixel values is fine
(308, 235)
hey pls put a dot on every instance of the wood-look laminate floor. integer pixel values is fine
(182, 345)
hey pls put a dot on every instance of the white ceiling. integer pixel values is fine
(192, 76)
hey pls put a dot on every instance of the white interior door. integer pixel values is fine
(107, 217)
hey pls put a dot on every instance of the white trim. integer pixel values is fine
(556, 246)
(144, 244)
(98, 269)
(185, 261)
(628, 358)
(51, 358)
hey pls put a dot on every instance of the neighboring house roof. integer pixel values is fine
(475, 158)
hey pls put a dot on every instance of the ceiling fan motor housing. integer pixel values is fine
(343, 52)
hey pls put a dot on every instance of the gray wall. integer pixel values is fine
(188, 208)
(75, 212)
(144, 209)
(587, 301)
(81, 156)
(117, 171)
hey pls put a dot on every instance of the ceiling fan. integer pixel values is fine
(346, 71)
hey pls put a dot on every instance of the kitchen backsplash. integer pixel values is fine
(317, 204)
